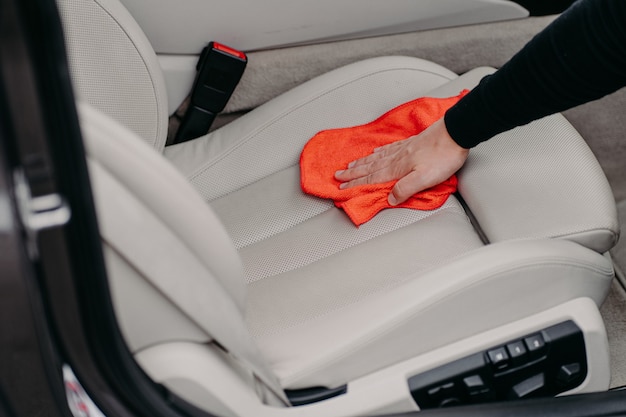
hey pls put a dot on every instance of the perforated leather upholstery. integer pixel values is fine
(284, 280)
(114, 67)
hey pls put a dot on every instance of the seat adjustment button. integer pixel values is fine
(529, 387)
(443, 390)
(568, 373)
(498, 357)
(535, 343)
(517, 351)
(445, 395)
(477, 389)
(473, 383)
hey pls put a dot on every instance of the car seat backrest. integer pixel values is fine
(152, 217)
(114, 67)
(174, 277)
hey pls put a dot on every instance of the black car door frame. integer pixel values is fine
(52, 267)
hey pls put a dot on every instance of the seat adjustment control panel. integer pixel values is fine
(544, 363)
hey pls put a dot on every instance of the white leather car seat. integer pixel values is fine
(220, 265)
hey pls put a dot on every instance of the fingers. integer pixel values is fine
(363, 169)
(382, 158)
(371, 174)
(377, 154)
(353, 173)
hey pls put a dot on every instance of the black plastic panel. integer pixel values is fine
(312, 395)
(540, 364)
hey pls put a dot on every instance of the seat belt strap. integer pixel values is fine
(218, 72)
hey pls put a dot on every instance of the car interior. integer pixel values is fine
(243, 295)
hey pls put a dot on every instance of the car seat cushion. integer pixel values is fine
(308, 268)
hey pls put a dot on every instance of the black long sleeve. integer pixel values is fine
(578, 58)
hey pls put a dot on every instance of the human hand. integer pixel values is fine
(418, 163)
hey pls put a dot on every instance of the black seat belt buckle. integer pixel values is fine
(218, 72)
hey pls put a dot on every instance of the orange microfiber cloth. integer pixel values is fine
(331, 150)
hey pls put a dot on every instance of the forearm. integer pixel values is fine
(580, 57)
